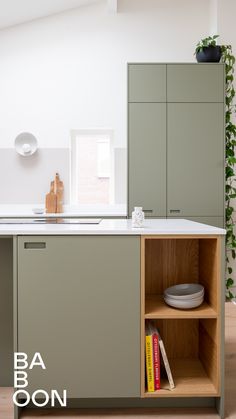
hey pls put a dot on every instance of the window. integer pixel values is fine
(103, 158)
(92, 178)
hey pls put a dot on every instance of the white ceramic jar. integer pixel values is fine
(137, 217)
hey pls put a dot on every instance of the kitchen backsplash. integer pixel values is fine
(27, 180)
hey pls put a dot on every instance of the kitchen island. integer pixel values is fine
(82, 296)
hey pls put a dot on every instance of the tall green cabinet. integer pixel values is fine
(176, 141)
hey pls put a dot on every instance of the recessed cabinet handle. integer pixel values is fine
(147, 210)
(175, 211)
(35, 245)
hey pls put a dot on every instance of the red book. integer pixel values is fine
(156, 361)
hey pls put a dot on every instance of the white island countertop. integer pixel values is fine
(114, 227)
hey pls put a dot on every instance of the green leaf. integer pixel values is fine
(232, 160)
(231, 295)
(229, 211)
(230, 270)
(229, 172)
(229, 282)
(230, 152)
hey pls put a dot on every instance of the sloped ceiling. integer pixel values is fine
(14, 12)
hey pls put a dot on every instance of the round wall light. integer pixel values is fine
(26, 144)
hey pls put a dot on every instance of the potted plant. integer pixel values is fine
(207, 50)
(204, 51)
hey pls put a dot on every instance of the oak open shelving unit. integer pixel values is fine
(191, 337)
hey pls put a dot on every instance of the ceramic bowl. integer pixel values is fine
(184, 291)
(184, 304)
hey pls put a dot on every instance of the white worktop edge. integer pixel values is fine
(115, 227)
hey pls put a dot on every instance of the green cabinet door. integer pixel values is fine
(211, 221)
(195, 82)
(147, 83)
(195, 162)
(79, 306)
(147, 158)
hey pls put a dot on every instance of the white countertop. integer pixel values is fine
(114, 227)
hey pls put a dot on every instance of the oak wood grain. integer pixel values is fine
(156, 308)
(169, 262)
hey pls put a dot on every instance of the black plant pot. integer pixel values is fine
(209, 55)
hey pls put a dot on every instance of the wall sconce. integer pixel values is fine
(26, 144)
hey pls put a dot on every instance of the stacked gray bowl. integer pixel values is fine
(184, 296)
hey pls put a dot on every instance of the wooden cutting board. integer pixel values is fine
(58, 188)
(51, 202)
(54, 199)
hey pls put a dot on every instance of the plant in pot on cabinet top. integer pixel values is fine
(207, 50)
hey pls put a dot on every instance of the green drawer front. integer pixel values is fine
(147, 83)
(195, 83)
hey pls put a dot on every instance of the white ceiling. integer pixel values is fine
(13, 12)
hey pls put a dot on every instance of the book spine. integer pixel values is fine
(156, 362)
(149, 364)
(166, 363)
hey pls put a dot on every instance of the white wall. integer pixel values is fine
(69, 71)
(226, 11)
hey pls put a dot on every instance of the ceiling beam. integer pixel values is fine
(112, 6)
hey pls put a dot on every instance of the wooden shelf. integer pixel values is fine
(156, 308)
(191, 337)
(190, 380)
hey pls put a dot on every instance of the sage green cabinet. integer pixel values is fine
(147, 167)
(79, 306)
(147, 83)
(195, 82)
(6, 312)
(176, 148)
(212, 221)
(195, 162)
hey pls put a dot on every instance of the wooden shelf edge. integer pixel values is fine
(180, 236)
(190, 378)
(156, 308)
(171, 393)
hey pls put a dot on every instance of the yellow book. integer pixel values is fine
(149, 363)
